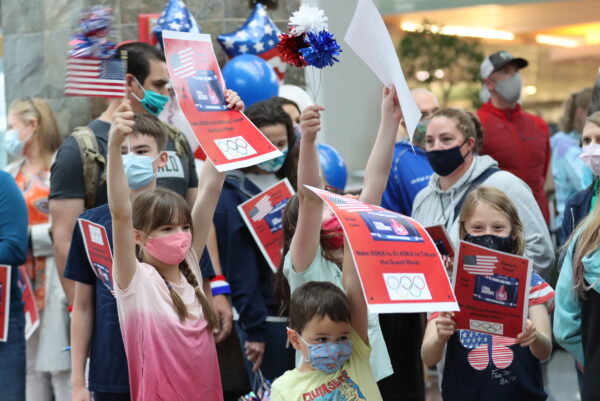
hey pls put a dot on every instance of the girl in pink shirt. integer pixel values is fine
(165, 317)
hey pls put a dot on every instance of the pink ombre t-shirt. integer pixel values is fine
(167, 359)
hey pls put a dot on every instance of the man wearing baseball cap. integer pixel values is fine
(517, 140)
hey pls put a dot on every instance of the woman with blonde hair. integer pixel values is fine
(576, 325)
(33, 138)
(568, 170)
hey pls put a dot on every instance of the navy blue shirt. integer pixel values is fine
(244, 266)
(409, 174)
(108, 363)
(13, 234)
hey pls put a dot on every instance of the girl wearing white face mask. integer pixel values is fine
(33, 138)
(583, 202)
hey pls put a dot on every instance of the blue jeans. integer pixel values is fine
(277, 358)
(12, 355)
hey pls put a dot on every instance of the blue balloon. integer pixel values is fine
(333, 166)
(251, 77)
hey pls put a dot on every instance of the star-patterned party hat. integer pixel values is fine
(175, 17)
(259, 36)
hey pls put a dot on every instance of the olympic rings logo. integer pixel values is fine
(406, 286)
(235, 148)
(488, 327)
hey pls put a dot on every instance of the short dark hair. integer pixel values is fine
(139, 55)
(317, 299)
(269, 112)
(149, 125)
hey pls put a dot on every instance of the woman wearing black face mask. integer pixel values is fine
(452, 139)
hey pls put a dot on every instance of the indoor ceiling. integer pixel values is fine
(570, 28)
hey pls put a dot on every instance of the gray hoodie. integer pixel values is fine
(434, 206)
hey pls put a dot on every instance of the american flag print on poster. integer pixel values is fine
(480, 264)
(261, 209)
(349, 204)
(95, 77)
(486, 348)
(184, 64)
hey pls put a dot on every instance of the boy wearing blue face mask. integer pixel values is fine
(330, 329)
(147, 78)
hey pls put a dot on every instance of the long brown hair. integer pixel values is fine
(586, 235)
(47, 134)
(290, 220)
(159, 207)
(500, 201)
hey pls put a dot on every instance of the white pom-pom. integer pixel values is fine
(307, 18)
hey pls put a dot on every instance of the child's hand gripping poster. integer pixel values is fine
(4, 301)
(227, 137)
(97, 249)
(492, 290)
(398, 264)
(263, 214)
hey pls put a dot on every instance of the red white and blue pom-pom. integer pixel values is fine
(93, 29)
(322, 49)
(308, 42)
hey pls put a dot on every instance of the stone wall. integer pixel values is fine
(36, 33)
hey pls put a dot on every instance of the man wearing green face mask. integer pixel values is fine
(517, 140)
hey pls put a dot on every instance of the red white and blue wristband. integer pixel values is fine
(219, 286)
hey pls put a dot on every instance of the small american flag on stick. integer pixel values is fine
(480, 265)
(95, 77)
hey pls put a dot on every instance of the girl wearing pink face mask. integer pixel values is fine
(583, 202)
(314, 239)
(164, 311)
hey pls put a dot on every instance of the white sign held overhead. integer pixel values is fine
(370, 40)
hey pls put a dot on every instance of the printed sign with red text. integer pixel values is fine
(492, 290)
(227, 137)
(4, 301)
(263, 216)
(98, 251)
(398, 264)
(32, 317)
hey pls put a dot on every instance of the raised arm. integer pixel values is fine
(209, 189)
(354, 293)
(437, 334)
(118, 197)
(380, 160)
(305, 242)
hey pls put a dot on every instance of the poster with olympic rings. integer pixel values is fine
(226, 136)
(263, 215)
(492, 289)
(5, 272)
(399, 266)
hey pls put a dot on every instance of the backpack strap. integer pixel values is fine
(182, 148)
(474, 184)
(91, 160)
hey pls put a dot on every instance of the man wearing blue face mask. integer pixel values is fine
(517, 140)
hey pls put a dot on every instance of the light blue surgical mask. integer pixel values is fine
(153, 102)
(139, 170)
(328, 357)
(13, 144)
(275, 164)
